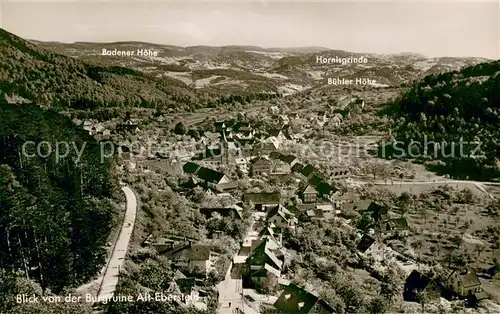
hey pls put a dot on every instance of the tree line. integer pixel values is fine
(453, 107)
(55, 214)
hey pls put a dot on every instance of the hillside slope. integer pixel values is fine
(56, 211)
(452, 117)
(59, 81)
(250, 69)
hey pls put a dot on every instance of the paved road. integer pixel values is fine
(110, 280)
(231, 289)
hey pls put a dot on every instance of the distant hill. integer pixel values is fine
(189, 77)
(272, 69)
(460, 112)
(56, 212)
(56, 80)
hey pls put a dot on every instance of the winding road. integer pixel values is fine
(112, 272)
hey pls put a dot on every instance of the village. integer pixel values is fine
(263, 181)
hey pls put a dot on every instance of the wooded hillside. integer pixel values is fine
(449, 108)
(56, 213)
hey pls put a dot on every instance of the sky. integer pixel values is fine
(432, 28)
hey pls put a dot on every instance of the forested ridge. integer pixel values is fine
(59, 81)
(55, 214)
(63, 82)
(452, 107)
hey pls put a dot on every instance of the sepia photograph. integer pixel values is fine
(249, 157)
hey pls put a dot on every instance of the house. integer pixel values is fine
(289, 159)
(243, 132)
(220, 125)
(282, 163)
(264, 147)
(308, 171)
(262, 201)
(212, 157)
(399, 225)
(348, 197)
(295, 299)
(232, 211)
(208, 177)
(128, 126)
(190, 168)
(417, 283)
(365, 243)
(194, 258)
(377, 211)
(268, 232)
(281, 217)
(297, 168)
(464, 283)
(280, 167)
(261, 166)
(264, 261)
(310, 194)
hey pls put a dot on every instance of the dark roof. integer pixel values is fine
(308, 170)
(315, 213)
(417, 282)
(278, 209)
(493, 270)
(295, 299)
(190, 167)
(321, 186)
(287, 158)
(263, 198)
(297, 167)
(315, 180)
(365, 205)
(241, 124)
(399, 223)
(365, 243)
(209, 175)
(275, 132)
(325, 188)
(275, 155)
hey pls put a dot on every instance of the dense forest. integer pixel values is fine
(55, 213)
(59, 81)
(447, 109)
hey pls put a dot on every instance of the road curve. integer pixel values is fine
(111, 275)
